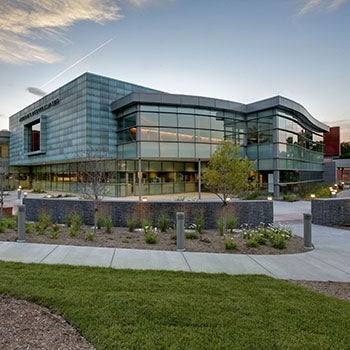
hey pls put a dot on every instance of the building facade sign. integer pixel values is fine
(40, 109)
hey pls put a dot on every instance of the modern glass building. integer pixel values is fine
(153, 142)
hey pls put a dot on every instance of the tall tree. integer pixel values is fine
(227, 174)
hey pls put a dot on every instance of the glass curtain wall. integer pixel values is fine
(186, 134)
(260, 144)
(300, 151)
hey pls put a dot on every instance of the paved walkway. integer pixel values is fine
(329, 261)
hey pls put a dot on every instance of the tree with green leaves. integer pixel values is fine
(345, 150)
(227, 174)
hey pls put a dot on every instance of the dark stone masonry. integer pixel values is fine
(248, 212)
(331, 211)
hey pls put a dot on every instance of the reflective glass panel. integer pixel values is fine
(202, 122)
(167, 119)
(150, 149)
(186, 120)
(149, 119)
(168, 149)
(149, 134)
(186, 150)
(203, 150)
(186, 135)
(168, 134)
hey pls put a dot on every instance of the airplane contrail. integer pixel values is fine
(77, 62)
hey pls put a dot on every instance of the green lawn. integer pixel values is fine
(125, 309)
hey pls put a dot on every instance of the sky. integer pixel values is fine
(238, 50)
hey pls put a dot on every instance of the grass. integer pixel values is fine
(126, 309)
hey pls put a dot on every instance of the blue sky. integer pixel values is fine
(240, 50)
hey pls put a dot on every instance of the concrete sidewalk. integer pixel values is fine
(329, 261)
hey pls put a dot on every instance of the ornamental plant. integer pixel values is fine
(131, 222)
(198, 221)
(163, 222)
(230, 243)
(108, 224)
(90, 236)
(277, 235)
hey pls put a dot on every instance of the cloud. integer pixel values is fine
(140, 3)
(23, 25)
(36, 91)
(320, 6)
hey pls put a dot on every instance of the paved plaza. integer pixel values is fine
(328, 261)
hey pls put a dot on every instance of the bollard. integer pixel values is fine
(21, 223)
(180, 231)
(307, 231)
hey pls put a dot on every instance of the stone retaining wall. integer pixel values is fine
(331, 211)
(249, 212)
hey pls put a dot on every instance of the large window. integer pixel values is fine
(35, 136)
(180, 131)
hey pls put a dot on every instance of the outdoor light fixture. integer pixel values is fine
(313, 195)
(269, 198)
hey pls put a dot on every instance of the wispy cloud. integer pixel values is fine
(319, 6)
(39, 92)
(140, 3)
(25, 24)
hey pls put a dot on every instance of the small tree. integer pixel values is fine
(345, 150)
(92, 179)
(227, 174)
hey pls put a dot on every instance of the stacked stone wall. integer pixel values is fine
(330, 212)
(248, 212)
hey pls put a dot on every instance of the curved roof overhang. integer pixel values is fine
(291, 106)
(283, 103)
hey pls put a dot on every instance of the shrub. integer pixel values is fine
(278, 241)
(44, 220)
(131, 222)
(90, 236)
(191, 235)
(198, 221)
(74, 230)
(252, 242)
(230, 244)
(29, 228)
(232, 222)
(54, 230)
(40, 228)
(261, 239)
(276, 234)
(100, 221)
(251, 195)
(3, 227)
(220, 226)
(108, 224)
(74, 219)
(150, 237)
(10, 222)
(163, 222)
(290, 197)
(146, 222)
(173, 236)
